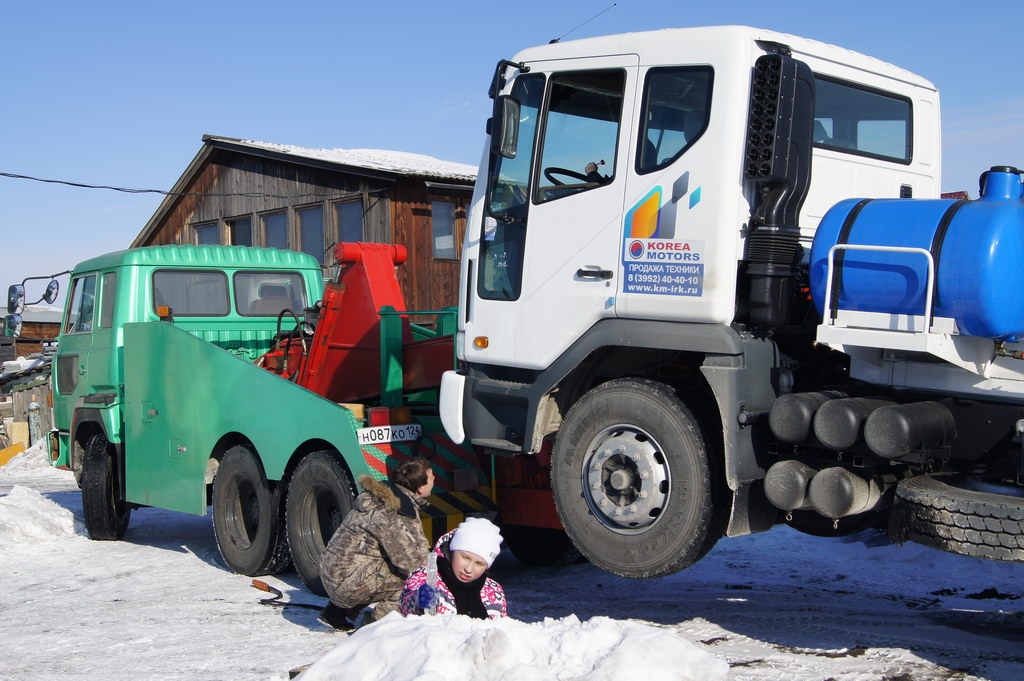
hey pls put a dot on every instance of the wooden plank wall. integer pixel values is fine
(31, 339)
(41, 395)
(396, 211)
(428, 283)
(7, 350)
(233, 186)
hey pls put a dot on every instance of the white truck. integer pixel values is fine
(709, 285)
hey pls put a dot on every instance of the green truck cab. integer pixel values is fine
(229, 297)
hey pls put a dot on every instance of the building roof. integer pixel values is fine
(396, 162)
(376, 163)
(44, 314)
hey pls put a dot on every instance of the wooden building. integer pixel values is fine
(40, 324)
(261, 194)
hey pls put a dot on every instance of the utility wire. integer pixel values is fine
(129, 190)
(559, 39)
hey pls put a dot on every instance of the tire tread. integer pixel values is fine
(106, 516)
(659, 403)
(933, 511)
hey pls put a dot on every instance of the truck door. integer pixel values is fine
(673, 267)
(85, 358)
(548, 242)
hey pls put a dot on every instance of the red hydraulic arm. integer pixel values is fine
(344, 356)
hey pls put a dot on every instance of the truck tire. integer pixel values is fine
(247, 516)
(106, 514)
(943, 512)
(320, 495)
(632, 481)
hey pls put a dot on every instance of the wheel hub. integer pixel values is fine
(625, 479)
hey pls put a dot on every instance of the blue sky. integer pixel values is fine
(120, 93)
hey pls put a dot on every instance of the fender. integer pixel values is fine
(104, 410)
(738, 369)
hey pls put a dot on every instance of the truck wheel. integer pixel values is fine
(106, 514)
(247, 518)
(947, 512)
(320, 495)
(632, 481)
(539, 546)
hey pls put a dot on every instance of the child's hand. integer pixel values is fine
(426, 597)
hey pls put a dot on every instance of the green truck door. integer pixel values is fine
(163, 463)
(85, 374)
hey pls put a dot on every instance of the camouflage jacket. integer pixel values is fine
(376, 546)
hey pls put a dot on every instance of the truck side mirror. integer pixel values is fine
(505, 127)
(16, 299)
(51, 292)
(12, 325)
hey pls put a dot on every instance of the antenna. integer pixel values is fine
(555, 40)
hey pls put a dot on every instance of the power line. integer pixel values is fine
(559, 39)
(128, 190)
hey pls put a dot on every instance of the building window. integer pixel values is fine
(443, 217)
(275, 230)
(350, 220)
(240, 232)
(207, 233)
(311, 231)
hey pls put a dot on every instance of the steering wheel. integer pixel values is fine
(552, 171)
(301, 328)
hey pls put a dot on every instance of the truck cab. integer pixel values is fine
(232, 298)
(666, 116)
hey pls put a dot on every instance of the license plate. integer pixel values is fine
(400, 433)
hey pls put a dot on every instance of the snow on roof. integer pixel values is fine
(400, 162)
(39, 313)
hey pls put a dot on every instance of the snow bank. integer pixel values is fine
(32, 458)
(441, 648)
(27, 517)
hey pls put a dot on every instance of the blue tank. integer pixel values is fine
(978, 247)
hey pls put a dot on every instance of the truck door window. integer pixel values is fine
(862, 121)
(676, 110)
(107, 294)
(81, 308)
(504, 228)
(581, 132)
(193, 293)
(510, 177)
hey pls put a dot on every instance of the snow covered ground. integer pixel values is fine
(777, 606)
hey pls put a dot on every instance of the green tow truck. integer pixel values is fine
(237, 379)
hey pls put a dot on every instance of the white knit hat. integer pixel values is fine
(479, 536)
